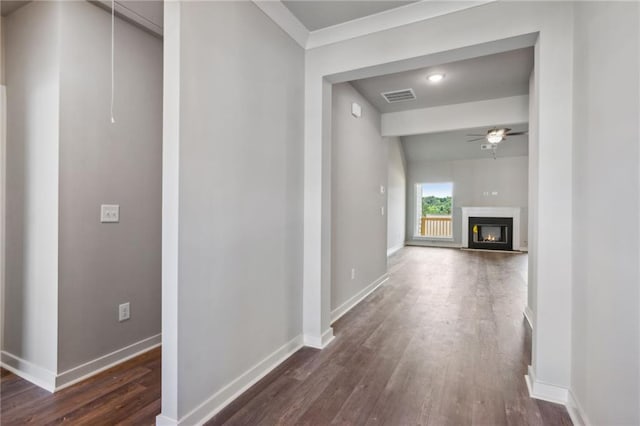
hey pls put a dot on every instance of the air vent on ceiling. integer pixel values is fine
(399, 96)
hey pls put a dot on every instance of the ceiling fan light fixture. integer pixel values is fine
(435, 77)
(495, 136)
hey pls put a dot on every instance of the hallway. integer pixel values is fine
(443, 341)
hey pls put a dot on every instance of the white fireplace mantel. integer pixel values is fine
(512, 212)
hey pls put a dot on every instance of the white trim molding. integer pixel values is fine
(385, 20)
(545, 391)
(357, 298)
(98, 365)
(282, 16)
(428, 242)
(528, 314)
(512, 212)
(52, 382)
(576, 412)
(231, 391)
(39, 376)
(394, 249)
(319, 342)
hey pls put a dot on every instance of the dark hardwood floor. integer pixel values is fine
(128, 394)
(443, 342)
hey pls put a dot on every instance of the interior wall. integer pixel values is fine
(396, 194)
(102, 265)
(32, 71)
(239, 229)
(359, 168)
(606, 323)
(474, 181)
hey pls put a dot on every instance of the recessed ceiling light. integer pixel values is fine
(436, 77)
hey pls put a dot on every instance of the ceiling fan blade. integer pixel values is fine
(475, 134)
(476, 139)
(516, 133)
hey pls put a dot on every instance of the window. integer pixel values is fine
(434, 206)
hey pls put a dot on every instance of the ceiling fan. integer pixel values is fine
(495, 135)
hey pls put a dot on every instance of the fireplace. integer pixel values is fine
(492, 233)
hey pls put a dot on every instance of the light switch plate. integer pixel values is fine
(110, 213)
(382, 189)
(124, 312)
(356, 110)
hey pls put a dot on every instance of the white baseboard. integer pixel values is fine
(53, 382)
(394, 249)
(320, 342)
(528, 314)
(98, 365)
(545, 391)
(39, 376)
(576, 412)
(227, 394)
(357, 298)
(165, 421)
(433, 243)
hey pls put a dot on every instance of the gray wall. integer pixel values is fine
(606, 324)
(471, 179)
(396, 194)
(67, 272)
(32, 70)
(103, 265)
(241, 194)
(358, 168)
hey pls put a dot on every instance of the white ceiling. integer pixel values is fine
(315, 14)
(486, 77)
(453, 145)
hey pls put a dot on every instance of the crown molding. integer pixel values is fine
(286, 20)
(392, 18)
(131, 16)
(385, 20)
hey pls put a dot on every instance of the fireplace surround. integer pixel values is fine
(491, 212)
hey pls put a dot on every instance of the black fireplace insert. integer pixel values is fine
(491, 233)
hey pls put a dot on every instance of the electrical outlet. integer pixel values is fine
(109, 213)
(124, 312)
(382, 211)
(382, 189)
(353, 273)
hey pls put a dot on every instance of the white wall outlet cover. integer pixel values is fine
(356, 110)
(381, 189)
(381, 211)
(110, 213)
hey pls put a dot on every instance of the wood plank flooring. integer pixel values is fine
(443, 342)
(128, 394)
